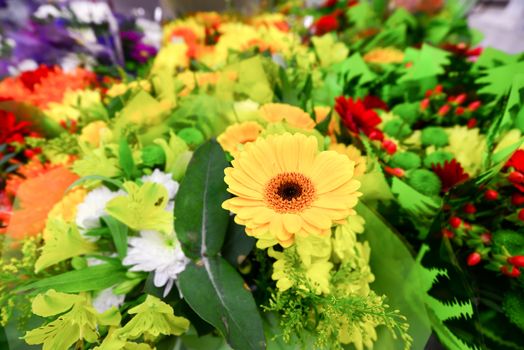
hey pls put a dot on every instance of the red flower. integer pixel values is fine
(450, 174)
(11, 130)
(374, 102)
(517, 161)
(357, 118)
(325, 24)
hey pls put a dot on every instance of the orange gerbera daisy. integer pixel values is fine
(285, 187)
(296, 117)
(237, 135)
(384, 55)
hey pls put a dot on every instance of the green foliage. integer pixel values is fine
(427, 62)
(39, 122)
(353, 67)
(216, 292)
(409, 112)
(514, 308)
(143, 208)
(153, 155)
(329, 50)
(437, 157)
(191, 136)
(126, 161)
(97, 162)
(119, 233)
(199, 203)
(176, 154)
(91, 278)
(362, 16)
(498, 80)
(510, 240)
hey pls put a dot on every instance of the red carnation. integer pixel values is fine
(450, 174)
(517, 161)
(374, 102)
(325, 24)
(357, 118)
(11, 130)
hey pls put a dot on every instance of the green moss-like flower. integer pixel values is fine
(409, 112)
(153, 155)
(512, 241)
(397, 128)
(514, 308)
(193, 137)
(425, 181)
(435, 136)
(406, 160)
(436, 158)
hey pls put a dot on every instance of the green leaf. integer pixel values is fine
(91, 278)
(237, 244)
(216, 292)
(499, 80)
(119, 233)
(4, 343)
(354, 67)
(362, 16)
(427, 62)
(89, 178)
(143, 208)
(329, 50)
(413, 201)
(62, 241)
(492, 57)
(125, 157)
(202, 223)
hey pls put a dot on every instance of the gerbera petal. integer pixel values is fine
(292, 222)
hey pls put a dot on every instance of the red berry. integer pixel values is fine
(443, 110)
(398, 172)
(474, 259)
(424, 104)
(512, 271)
(516, 177)
(521, 215)
(438, 89)
(376, 135)
(517, 260)
(486, 238)
(29, 153)
(408, 64)
(447, 233)
(491, 195)
(471, 123)
(517, 199)
(473, 106)
(389, 146)
(459, 110)
(469, 208)
(460, 99)
(455, 222)
(428, 93)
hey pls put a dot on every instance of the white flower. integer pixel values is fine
(152, 32)
(71, 61)
(47, 11)
(91, 12)
(153, 251)
(166, 180)
(106, 299)
(93, 207)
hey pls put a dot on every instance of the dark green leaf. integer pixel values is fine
(119, 233)
(203, 223)
(92, 278)
(216, 292)
(3, 339)
(125, 157)
(85, 179)
(237, 244)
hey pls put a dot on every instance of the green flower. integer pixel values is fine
(435, 136)
(193, 137)
(153, 155)
(406, 160)
(436, 158)
(425, 181)
(397, 128)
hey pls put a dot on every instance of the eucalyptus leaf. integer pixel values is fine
(202, 222)
(217, 294)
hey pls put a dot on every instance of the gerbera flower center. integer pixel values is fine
(289, 192)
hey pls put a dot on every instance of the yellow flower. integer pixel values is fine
(71, 106)
(285, 186)
(122, 88)
(95, 132)
(66, 208)
(468, 146)
(170, 58)
(353, 154)
(237, 135)
(384, 55)
(294, 116)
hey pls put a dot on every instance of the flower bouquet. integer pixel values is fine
(272, 182)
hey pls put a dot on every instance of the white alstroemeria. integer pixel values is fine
(91, 12)
(164, 179)
(154, 252)
(93, 207)
(106, 299)
(72, 60)
(23, 66)
(47, 11)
